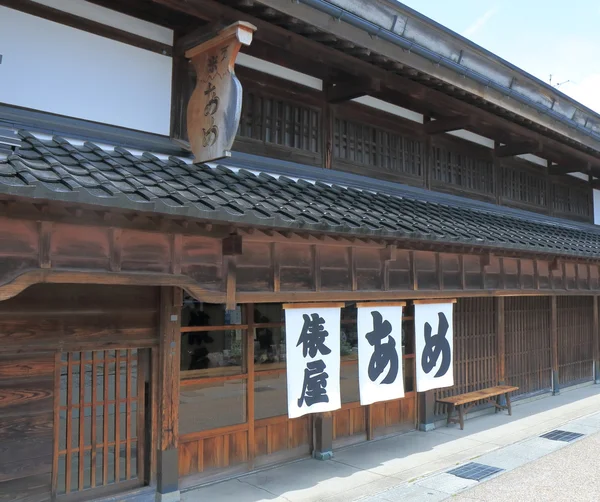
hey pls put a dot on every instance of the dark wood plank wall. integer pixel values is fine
(528, 350)
(35, 325)
(575, 323)
(475, 347)
(273, 267)
(67, 317)
(26, 425)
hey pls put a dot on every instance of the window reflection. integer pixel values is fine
(211, 352)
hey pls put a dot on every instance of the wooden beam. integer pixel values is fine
(501, 348)
(518, 149)
(554, 343)
(557, 170)
(447, 124)
(168, 393)
(346, 90)
(596, 334)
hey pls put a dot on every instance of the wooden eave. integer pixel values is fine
(279, 34)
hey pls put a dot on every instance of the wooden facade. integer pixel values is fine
(141, 350)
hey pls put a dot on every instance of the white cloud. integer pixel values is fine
(479, 23)
(586, 91)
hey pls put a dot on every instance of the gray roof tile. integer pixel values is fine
(57, 169)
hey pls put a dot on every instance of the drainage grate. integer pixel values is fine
(475, 471)
(559, 435)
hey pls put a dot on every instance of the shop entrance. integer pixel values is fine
(99, 417)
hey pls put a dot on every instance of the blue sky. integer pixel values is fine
(542, 37)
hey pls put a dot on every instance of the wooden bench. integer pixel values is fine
(464, 402)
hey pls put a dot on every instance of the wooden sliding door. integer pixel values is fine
(99, 422)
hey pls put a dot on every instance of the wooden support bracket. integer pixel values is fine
(518, 149)
(348, 89)
(447, 124)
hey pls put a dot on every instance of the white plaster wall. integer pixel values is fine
(54, 68)
(112, 18)
(597, 207)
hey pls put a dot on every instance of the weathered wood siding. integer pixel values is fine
(34, 326)
(575, 316)
(528, 348)
(475, 347)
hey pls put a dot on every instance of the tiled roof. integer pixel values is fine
(56, 169)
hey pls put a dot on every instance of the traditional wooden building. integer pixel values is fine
(378, 156)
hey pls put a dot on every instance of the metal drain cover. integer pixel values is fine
(475, 471)
(558, 435)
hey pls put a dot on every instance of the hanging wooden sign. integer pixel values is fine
(434, 344)
(312, 340)
(214, 109)
(380, 368)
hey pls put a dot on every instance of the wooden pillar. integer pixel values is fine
(249, 310)
(596, 342)
(426, 410)
(168, 394)
(323, 436)
(501, 347)
(554, 343)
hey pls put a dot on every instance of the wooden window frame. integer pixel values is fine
(522, 166)
(574, 186)
(301, 96)
(472, 151)
(380, 121)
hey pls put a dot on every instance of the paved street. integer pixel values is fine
(413, 467)
(569, 474)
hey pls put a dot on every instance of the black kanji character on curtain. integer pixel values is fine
(315, 383)
(435, 346)
(313, 336)
(384, 354)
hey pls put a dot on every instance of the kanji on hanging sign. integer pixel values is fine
(313, 359)
(380, 369)
(434, 345)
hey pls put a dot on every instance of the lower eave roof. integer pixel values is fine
(55, 169)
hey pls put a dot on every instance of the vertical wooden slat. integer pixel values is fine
(596, 338)
(461, 266)
(554, 342)
(81, 418)
(413, 271)
(142, 363)
(352, 260)
(155, 412)
(250, 385)
(69, 411)
(117, 416)
(501, 351)
(94, 418)
(316, 262)
(128, 419)
(57, 425)
(106, 417)
(276, 254)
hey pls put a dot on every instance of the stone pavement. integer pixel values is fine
(569, 474)
(412, 466)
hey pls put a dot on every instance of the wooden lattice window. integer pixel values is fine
(279, 122)
(524, 186)
(571, 200)
(377, 148)
(461, 170)
(100, 418)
